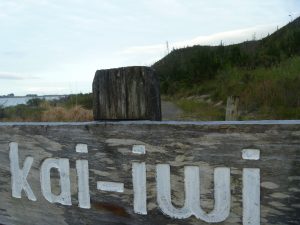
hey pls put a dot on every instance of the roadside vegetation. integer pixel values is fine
(265, 74)
(71, 108)
(265, 93)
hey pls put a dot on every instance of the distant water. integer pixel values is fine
(13, 101)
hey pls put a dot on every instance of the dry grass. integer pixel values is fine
(61, 114)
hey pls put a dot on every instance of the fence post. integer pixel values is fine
(127, 93)
(232, 108)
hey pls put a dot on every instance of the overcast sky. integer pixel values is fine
(55, 46)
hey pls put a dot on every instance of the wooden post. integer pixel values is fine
(232, 108)
(127, 93)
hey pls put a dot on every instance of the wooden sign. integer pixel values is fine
(140, 173)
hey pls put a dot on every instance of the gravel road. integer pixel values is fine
(170, 111)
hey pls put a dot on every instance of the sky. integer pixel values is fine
(55, 46)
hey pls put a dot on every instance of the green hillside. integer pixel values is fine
(264, 73)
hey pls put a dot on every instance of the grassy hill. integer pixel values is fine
(264, 73)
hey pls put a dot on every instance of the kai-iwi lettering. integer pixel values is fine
(191, 179)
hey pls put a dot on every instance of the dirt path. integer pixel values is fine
(170, 111)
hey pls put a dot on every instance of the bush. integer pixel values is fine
(2, 112)
(84, 100)
(35, 102)
(72, 108)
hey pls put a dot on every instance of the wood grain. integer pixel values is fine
(110, 159)
(127, 93)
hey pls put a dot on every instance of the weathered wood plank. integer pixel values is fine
(181, 145)
(232, 112)
(127, 93)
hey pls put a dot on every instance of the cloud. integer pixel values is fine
(59, 87)
(2, 14)
(227, 38)
(14, 53)
(167, 8)
(47, 89)
(146, 49)
(15, 76)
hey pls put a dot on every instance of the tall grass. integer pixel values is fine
(266, 93)
(195, 110)
(45, 111)
(75, 113)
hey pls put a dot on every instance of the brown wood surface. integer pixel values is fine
(127, 93)
(110, 158)
(232, 112)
